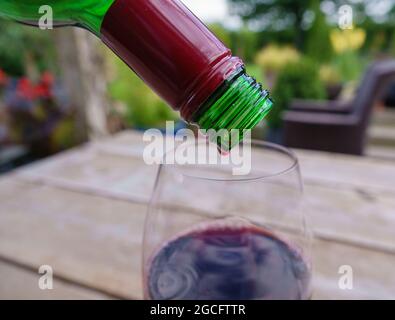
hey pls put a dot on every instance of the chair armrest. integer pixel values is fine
(319, 118)
(337, 106)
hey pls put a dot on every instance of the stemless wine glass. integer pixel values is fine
(214, 234)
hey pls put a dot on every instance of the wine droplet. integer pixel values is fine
(223, 152)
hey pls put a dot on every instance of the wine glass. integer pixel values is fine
(214, 233)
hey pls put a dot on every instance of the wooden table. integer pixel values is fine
(82, 212)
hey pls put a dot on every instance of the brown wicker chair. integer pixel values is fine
(337, 126)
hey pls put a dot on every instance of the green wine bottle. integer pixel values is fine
(171, 50)
(86, 13)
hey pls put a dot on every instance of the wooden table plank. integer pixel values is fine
(96, 172)
(11, 188)
(91, 240)
(83, 211)
(338, 171)
(97, 242)
(354, 215)
(349, 216)
(373, 276)
(376, 176)
(323, 168)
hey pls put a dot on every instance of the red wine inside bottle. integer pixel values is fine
(228, 263)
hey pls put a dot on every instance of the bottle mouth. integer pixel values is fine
(240, 104)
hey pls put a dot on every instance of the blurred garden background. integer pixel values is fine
(61, 88)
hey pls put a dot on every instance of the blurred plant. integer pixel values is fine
(3, 78)
(21, 49)
(37, 115)
(298, 80)
(290, 15)
(273, 58)
(391, 47)
(347, 43)
(378, 42)
(318, 43)
(332, 79)
(63, 136)
(273, 15)
(329, 75)
(255, 71)
(350, 65)
(245, 44)
(347, 40)
(144, 109)
(3, 82)
(222, 33)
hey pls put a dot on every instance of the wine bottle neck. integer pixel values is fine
(238, 105)
(170, 49)
(92, 18)
(180, 59)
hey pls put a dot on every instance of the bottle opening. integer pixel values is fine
(238, 105)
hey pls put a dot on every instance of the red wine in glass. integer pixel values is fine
(225, 262)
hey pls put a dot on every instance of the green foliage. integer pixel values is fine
(289, 13)
(63, 136)
(330, 75)
(271, 10)
(318, 43)
(144, 109)
(11, 53)
(242, 42)
(284, 20)
(273, 58)
(379, 37)
(284, 13)
(245, 44)
(16, 41)
(222, 33)
(256, 72)
(391, 48)
(350, 65)
(298, 80)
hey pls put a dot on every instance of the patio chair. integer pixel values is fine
(337, 126)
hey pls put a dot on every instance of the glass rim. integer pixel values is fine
(254, 143)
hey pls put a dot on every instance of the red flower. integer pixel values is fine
(44, 88)
(25, 89)
(3, 78)
(47, 78)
